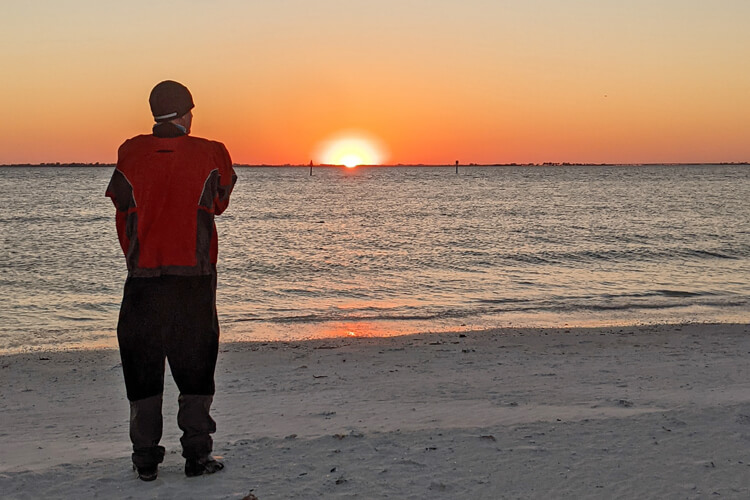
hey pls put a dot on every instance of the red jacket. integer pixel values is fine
(167, 191)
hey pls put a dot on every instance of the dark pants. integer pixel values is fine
(172, 318)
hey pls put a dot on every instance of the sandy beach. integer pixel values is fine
(622, 412)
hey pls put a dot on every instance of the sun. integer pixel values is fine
(351, 160)
(351, 149)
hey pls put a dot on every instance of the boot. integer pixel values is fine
(200, 466)
(147, 473)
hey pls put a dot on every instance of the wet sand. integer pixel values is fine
(621, 412)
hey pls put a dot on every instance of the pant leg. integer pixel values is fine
(192, 350)
(145, 431)
(140, 334)
(194, 419)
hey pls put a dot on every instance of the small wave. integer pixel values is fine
(528, 259)
(361, 315)
(637, 254)
(74, 319)
(660, 306)
(651, 301)
(679, 293)
(503, 300)
(626, 307)
(325, 318)
(708, 254)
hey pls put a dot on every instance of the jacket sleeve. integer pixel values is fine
(227, 180)
(120, 192)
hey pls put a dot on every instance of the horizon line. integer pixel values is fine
(385, 165)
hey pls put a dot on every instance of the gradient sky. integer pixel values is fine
(485, 81)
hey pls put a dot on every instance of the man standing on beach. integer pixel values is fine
(167, 188)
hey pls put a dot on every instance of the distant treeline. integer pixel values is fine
(546, 164)
(62, 165)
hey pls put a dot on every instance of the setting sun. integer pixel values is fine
(351, 161)
(350, 150)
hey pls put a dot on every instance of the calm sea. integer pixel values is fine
(384, 251)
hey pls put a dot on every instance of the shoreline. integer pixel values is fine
(107, 340)
(400, 165)
(625, 411)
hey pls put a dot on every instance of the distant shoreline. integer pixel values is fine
(546, 164)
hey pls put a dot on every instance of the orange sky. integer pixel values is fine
(435, 81)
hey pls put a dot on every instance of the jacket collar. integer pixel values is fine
(168, 130)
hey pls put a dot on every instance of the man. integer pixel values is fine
(167, 188)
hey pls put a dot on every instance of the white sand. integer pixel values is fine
(632, 412)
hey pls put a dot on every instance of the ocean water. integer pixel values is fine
(395, 250)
